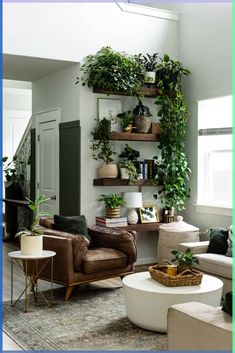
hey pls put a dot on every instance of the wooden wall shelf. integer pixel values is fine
(149, 92)
(121, 182)
(129, 136)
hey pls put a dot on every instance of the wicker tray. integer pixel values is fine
(189, 277)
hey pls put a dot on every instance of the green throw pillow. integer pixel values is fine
(218, 241)
(74, 225)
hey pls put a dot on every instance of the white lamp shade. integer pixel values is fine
(133, 199)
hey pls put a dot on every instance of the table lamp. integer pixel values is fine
(133, 200)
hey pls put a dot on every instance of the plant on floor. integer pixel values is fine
(172, 167)
(114, 71)
(112, 200)
(34, 206)
(10, 172)
(184, 259)
(103, 149)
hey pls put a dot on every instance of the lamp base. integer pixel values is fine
(132, 217)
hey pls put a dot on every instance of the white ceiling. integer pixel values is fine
(25, 68)
(168, 6)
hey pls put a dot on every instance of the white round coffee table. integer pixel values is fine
(147, 301)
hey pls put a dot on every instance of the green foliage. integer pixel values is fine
(126, 119)
(172, 169)
(141, 109)
(34, 206)
(111, 201)
(150, 61)
(114, 71)
(129, 153)
(9, 169)
(131, 170)
(103, 149)
(187, 258)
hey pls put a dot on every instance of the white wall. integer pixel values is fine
(206, 49)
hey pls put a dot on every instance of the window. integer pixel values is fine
(215, 152)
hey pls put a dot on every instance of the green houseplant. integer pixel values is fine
(13, 179)
(114, 71)
(142, 117)
(128, 164)
(184, 259)
(112, 203)
(126, 120)
(172, 167)
(150, 63)
(31, 239)
(103, 149)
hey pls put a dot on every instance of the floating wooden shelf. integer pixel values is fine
(149, 92)
(129, 136)
(143, 227)
(121, 182)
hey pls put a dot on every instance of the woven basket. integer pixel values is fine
(189, 277)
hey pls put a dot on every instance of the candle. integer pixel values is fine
(172, 270)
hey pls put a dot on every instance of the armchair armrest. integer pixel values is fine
(200, 247)
(115, 238)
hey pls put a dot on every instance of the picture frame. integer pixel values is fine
(110, 108)
(148, 214)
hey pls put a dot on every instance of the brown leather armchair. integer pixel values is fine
(113, 254)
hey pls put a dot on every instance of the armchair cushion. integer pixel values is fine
(74, 225)
(115, 238)
(79, 245)
(97, 260)
(218, 241)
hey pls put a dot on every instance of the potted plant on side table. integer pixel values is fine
(112, 203)
(103, 149)
(185, 260)
(31, 239)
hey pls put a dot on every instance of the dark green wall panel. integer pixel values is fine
(33, 164)
(70, 180)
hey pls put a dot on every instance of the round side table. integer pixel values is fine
(31, 276)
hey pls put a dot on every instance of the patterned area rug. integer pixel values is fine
(93, 319)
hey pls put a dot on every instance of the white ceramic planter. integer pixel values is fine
(150, 77)
(108, 171)
(124, 173)
(31, 245)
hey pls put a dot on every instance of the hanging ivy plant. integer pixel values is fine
(172, 168)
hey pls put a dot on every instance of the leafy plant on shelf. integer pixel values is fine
(35, 228)
(102, 147)
(114, 71)
(172, 167)
(11, 174)
(184, 259)
(129, 156)
(126, 119)
(112, 200)
(150, 61)
(129, 153)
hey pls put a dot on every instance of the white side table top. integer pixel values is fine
(45, 254)
(142, 281)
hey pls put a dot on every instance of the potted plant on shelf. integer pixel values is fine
(184, 260)
(150, 63)
(126, 121)
(142, 117)
(103, 149)
(128, 164)
(172, 167)
(31, 239)
(114, 71)
(13, 179)
(112, 203)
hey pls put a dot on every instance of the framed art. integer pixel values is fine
(110, 108)
(148, 214)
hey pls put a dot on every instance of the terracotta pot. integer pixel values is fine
(142, 123)
(113, 212)
(31, 245)
(108, 171)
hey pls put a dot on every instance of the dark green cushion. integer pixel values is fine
(74, 225)
(227, 307)
(218, 241)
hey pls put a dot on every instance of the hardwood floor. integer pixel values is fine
(8, 343)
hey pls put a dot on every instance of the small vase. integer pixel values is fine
(124, 173)
(112, 212)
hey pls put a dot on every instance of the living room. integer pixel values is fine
(199, 36)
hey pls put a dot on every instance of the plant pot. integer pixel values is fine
(113, 212)
(150, 77)
(31, 245)
(13, 191)
(142, 123)
(124, 173)
(108, 171)
(181, 268)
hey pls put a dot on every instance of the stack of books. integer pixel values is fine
(146, 169)
(111, 222)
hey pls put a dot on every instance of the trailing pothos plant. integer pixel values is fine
(101, 146)
(114, 71)
(172, 167)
